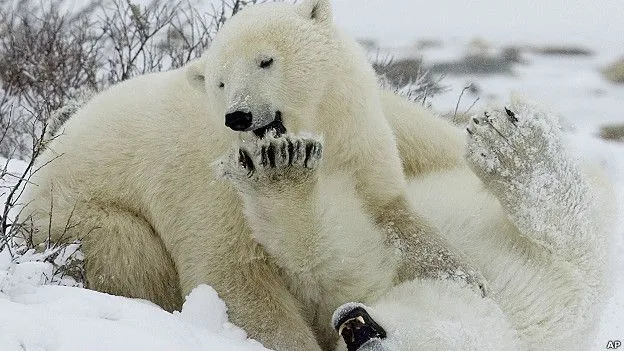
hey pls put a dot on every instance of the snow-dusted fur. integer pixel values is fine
(536, 225)
(131, 175)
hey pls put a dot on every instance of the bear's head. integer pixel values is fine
(269, 66)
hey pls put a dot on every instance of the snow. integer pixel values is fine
(569, 86)
(38, 316)
(47, 317)
(42, 309)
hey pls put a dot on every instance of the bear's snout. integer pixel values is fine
(238, 120)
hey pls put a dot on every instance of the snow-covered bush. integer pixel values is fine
(21, 261)
(50, 56)
(407, 77)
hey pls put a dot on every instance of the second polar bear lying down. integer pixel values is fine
(532, 220)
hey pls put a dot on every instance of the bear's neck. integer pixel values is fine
(353, 88)
(351, 107)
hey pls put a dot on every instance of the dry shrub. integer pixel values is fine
(50, 58)
(612, 132)
(407, 77)
(51, 62)
(615, 72)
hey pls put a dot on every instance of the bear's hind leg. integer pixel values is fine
(126, 257)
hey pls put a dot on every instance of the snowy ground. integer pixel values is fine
(35, 317)
(64, 318)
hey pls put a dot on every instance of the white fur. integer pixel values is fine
(546, 272)
(131, 173)
(546, 276)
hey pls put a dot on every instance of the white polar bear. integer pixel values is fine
(526, 213)
(130, 175)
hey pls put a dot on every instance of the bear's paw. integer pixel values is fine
(287, 159)
(513, 146)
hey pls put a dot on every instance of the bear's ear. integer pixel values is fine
(195, 74)
(317, 10)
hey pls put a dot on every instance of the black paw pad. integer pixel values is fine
(357, 327)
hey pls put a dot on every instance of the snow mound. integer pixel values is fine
(48, 317)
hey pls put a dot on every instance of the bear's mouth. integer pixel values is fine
(276, 127)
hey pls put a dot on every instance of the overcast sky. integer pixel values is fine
(594, 23)
(597, 24)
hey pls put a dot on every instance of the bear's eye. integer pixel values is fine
(221, 85)
(266, 63)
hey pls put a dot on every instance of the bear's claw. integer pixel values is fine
(511, 115)
(245, 162)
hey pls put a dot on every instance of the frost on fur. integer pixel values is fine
(426, 254)
(60, 116)
(518, 152)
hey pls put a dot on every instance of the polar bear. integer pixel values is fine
(130, 174)
(537, 222)
(521, 207)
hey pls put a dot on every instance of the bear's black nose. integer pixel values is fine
(238, 120)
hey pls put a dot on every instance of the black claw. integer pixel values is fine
(511, 115)
(291, 151)
(271, 154)
(309, 148)
(264, 159)
(245, 161)
(297, 148)
(284, 151)
(476, 121)
(469, 131)
(357, 328)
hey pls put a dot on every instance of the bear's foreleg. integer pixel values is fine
(518, 153)
(277, 181)
(420, 247)
(423, 252)
(314, 227)
(276, 178)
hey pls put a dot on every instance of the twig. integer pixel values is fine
(460, 98)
